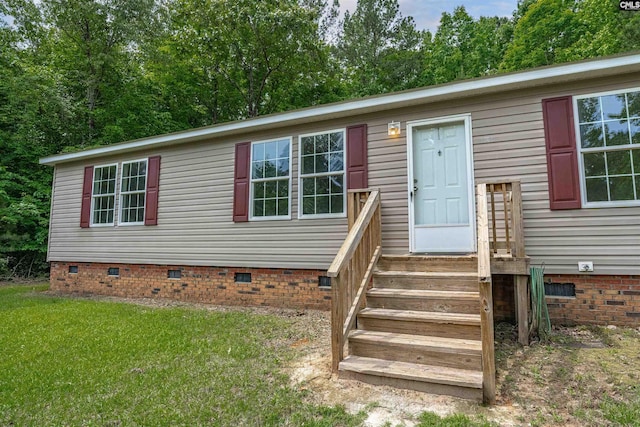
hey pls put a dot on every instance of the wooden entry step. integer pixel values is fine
(420, 349)
(433, 263)
(436, 324)
(464, 383)
(424, 300)
(442, 281)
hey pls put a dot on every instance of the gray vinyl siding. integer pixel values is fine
(196, 197)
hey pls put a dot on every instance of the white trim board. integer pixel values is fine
(484, 85)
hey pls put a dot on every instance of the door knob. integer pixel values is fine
(415, 188)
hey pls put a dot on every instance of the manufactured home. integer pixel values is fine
(414, 216)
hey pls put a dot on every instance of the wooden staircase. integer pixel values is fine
(420, 328)
(421, 322)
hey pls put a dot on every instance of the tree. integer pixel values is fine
(248, 58)
(379, 49)
(465, 48)
(543, 35)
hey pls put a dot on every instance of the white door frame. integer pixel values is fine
(466, 118)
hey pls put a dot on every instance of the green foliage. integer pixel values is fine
(74, 362)
(463, 48)
(379, 49)
(429, 419)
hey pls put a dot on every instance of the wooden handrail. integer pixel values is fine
(352, 269)
(486, 298)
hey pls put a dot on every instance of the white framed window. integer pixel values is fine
(133, 186)
(270, 191)
(322, 181)
(103, 194)
(608, 130)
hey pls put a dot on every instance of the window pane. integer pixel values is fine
(594, 164)
(142, 183)
(633, 101)
(336, 141)
(589, 110)
(635, 131)
(283, 188)
(308, 205)
(258, 190)
(283, 149)
(308, 186)
(322, 163)
(322, 185)
(621, 188)
(617, 133)
(270, 170)
(322, 204)
(322, 143)
(336, 184)
(133, 169)
(307, 145)
(591, 135)
(619, 162)
(336, 164)
(97, 174)
(307, 165)
(125, 216)
(125, 169)
(270, 150)
(258, 208)
(614, 107)
(636, 161)
(283, 167)
(257, 170)
(283, 206)
(270, 190)
(337, 205)
(597, 190)
(258, 152)
(270, 207)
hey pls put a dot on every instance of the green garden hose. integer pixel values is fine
(540, 322)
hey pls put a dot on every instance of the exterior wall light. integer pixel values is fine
(393, 129)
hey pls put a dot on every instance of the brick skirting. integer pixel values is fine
(213, 285)
(599, 300)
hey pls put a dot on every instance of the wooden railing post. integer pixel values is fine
(516, 216)
(486, 300)
(336, 324)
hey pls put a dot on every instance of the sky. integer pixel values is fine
(427, 13)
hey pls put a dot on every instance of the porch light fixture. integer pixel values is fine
(393, 129)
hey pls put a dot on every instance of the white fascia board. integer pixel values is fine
(492, 84)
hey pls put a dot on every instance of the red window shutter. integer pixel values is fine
(153, 182)
(562, 153)
(241, 182)
(357, 164)
(85, 210)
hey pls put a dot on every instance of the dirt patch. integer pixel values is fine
(560, 383)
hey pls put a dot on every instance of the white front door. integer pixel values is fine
(441, 195)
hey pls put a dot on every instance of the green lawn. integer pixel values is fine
(81, 362)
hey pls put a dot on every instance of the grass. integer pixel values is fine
(82, 362)
(429, 419)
